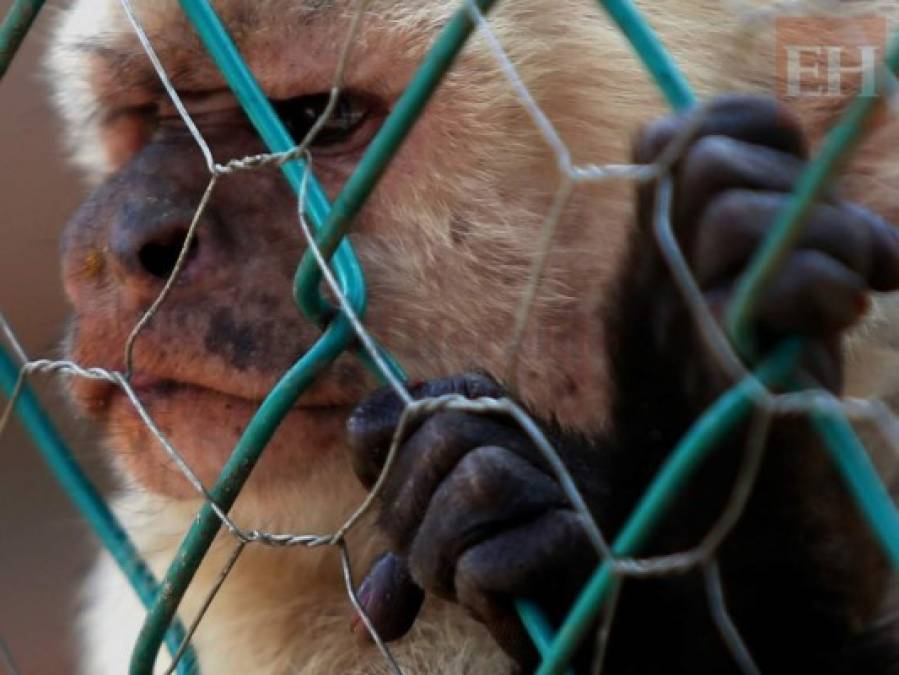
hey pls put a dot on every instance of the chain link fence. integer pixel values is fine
(330, 260)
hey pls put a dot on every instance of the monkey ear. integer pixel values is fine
(389, 597)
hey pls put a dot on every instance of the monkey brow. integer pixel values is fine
(125, 66)
(124, 62)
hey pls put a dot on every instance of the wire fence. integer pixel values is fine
(331, 260)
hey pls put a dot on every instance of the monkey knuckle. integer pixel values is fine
(761, 107)
(655, 137)
(735, 220)
(381, 401)
(802, 273)
(358, 425)
(809, 266)
(478, 385)
(480, 473)
(442, 431)
(470, 385)
(439, 446)
(746, 105)
(707, 158)
(734, 212)
(863, 225)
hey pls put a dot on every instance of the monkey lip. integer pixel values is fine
(95, 397)
(204, 425)
(152, 387)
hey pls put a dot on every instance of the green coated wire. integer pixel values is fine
(838, 436)
(677, 91)
(86, 498)
(703, 438)
(335, 340)
(387, 142)
(651, 52)
(862, 480)
(839, 439)
(381, 150)
(538, 628)
(54, 451)
(233, 476)
(263, 117)
(273, 132)
(15, 27)
(332, 226)
(395, 130)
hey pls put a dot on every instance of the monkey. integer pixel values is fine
(609, 364)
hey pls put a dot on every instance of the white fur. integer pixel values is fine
(279, 612)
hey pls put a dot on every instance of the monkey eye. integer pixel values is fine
(301, 113)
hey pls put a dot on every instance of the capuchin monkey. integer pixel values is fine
(610, 364)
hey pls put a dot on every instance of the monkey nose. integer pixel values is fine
(146, 255)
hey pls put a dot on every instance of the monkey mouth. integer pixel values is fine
(94, 396)
(204, 425)
(149, 391)
(148, 386)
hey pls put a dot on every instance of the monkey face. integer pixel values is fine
(446, 241)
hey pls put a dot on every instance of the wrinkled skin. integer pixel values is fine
(473, 514)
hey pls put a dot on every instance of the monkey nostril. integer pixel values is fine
(158, 257)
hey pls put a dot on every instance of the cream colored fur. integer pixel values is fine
(279, 612)
(286, 611)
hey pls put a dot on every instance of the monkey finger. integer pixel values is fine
(719, 164)
(371, 425)
(756, 120)
(370, 428)
(546, 560)
(735, 224)
(389, 597)
(814, 295)
(427, 457)
(490, 488)
(883, 274)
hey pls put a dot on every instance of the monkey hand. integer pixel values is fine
(471, 513)
(734, 178)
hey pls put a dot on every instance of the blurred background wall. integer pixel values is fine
(44, 547)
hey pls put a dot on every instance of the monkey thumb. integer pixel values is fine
(389, 597)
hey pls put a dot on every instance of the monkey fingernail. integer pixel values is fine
(390, 599)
